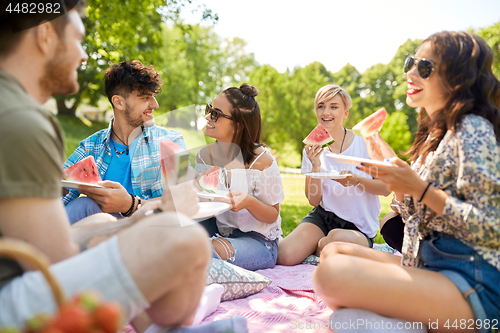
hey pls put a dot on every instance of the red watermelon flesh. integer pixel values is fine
(84, 171)
(319, 136)
(371, 125)
(210, 179)
(174, 158)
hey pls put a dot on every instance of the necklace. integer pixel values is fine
(112, 131)
(341, 145)
(118, 153)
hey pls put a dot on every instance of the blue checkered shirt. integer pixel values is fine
(145, 166)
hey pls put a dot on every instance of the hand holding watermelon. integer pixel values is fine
(313, 152)
(378, 149)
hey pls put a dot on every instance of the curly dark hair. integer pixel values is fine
(465, 67)
(127, 76)
(246, 118)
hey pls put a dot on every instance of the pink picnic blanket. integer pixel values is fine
(288, 304)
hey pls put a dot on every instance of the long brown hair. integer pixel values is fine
(465, 62)
(246, 119)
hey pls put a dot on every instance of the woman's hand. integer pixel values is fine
(399, 179)
(378, 149)
(237, 199)
(313, 153)
(351, 180)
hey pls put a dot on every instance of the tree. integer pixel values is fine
(492, 37)
(302, 84)
(117, 31)
(196, 66)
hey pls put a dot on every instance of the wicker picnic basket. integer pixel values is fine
(31, 258)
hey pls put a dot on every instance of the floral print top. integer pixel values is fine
(466, 165)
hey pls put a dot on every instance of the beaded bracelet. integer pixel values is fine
(131, 209)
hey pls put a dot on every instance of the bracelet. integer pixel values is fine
(425, 191)
(359, 181)
(139, 203)
(131, 209)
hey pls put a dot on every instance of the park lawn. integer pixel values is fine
(293, 208)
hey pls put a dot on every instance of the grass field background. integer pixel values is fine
(293, 208)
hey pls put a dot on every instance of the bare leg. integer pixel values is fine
(299, 244)
(342, 235)
(387, 289)
(168, 264)
(223, 247)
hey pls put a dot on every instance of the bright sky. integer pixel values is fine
(290, 33)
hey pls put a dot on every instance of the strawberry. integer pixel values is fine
(109, 317)
(73, 318)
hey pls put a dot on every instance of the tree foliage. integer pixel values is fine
(117, 31)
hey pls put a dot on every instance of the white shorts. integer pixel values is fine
(100, 268)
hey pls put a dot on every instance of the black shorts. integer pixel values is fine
(393, 232)
(327, 221)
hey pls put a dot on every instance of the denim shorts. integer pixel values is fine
(252, 250)
(100, 268)
(328, 221)
(478, 281)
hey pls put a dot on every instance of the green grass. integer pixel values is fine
(293, 208)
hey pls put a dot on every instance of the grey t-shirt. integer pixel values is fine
(31, 152)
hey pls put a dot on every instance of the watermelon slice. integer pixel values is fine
(174, 162)
(319, 136)
(84, 171)
(210, 179)
(371, 125)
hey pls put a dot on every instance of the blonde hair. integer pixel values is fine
(329, 91)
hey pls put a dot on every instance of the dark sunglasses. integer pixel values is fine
(215, 113)
(425, 67)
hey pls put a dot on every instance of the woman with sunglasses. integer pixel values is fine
(247, 234)
(345, 210)
(449, 274)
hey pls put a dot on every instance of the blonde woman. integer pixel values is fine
(345, 210)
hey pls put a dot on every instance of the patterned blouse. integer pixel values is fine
(466, 165)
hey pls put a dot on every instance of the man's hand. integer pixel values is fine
(113, 198)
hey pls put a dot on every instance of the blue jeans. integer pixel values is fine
(252, 250)
(82, 207)
(475, 277)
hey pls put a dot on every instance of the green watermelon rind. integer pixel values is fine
(324, 143)
(207, 187)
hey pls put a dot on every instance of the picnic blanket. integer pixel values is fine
(288, 304)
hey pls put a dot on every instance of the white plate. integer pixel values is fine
(358, 160)
(74, 185)
(209, 209)
(326, 175)
(217, 194)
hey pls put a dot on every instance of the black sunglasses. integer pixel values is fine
(425, 67)
(215, 113)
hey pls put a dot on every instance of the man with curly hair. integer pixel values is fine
(127, 153)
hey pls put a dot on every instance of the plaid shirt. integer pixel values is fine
(145, 166)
